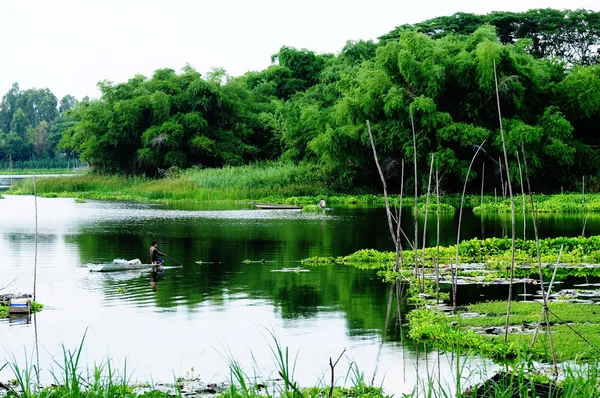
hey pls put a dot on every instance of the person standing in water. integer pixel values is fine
(156, 265)
(154, 253)
(322, 204)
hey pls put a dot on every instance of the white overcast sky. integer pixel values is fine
(70, 45)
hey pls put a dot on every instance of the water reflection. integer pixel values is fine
(226, 294)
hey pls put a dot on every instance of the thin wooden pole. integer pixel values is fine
(385, 193)
(36, 240)
(399, 250)
(416, 245)
(425, 223)
(523, 197)
(539, 258)
(583, 209)
(437, 239)
(462, 200)
(501, 178)
(512, 207)
(482, 179)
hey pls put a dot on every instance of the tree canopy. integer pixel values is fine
(308, 107)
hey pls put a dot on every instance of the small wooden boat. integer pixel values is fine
(119, 264)
(266, 206)
(112, 267)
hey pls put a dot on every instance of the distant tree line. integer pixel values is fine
(32, 123)
(309, 107)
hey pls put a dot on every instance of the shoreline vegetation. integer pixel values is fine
(35, 307)
(104, 379)
(42, 171)
(279, 184)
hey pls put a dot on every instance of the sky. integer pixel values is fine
(69, 46)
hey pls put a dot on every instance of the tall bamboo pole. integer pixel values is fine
(385, 193)
(539, 258)
(523, 197)
(462, 200)
(512, 207)
(36, 239)
(501, 178)
(437, 239)
(482, 179)
(399, 256)
(425, 224)
(416, 245)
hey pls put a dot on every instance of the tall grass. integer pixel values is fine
(525, 379)
(226, 184)
(576, 382)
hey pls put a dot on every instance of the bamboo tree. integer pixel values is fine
(512, 207)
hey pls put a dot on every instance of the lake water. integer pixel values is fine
(204, 314)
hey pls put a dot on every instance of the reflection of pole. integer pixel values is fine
(36, 239)
(37, 352)
(387, 322)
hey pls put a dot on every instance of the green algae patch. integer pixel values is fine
(580, 257)
(480, 329)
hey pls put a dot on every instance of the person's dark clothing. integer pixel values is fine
(154, 253)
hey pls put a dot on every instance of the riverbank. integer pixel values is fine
(280, 184)
(41, 171)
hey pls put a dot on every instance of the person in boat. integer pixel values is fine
(322, 204)
(154, 253)
(157, 261)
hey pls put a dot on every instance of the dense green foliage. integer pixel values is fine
(31, 125)
(313, 108)
(572, 36)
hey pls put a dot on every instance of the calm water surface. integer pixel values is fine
(225, 307)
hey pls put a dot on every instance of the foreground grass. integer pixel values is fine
(71, 379)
